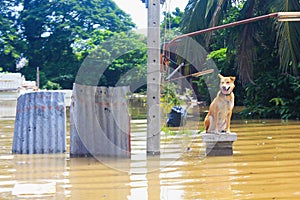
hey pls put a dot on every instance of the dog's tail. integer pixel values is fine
(206, 123)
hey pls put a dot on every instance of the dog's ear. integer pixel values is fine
(232, 78)
(220, 76)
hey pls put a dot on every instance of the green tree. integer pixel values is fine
(117, 59)
(170, 26)
(172, 19)
(50, 30)
(10, 37)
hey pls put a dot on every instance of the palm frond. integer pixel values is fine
(246, 54)
(288, 39)
(216, 8)
(194, 18)
(202, 14)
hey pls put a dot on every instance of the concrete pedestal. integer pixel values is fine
(219, 144)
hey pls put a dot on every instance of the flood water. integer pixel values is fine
(265, 165)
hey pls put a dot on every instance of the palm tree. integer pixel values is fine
(202, 14)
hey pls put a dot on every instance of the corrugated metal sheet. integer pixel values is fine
(40, 125)
(100, 122)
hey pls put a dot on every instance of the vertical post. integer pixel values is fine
(153, 78)
(38, 77)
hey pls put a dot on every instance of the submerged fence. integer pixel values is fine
(40, 125)
(100, 122)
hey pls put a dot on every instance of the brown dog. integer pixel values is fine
(220, 110)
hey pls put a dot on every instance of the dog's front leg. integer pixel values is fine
(215, 122)
(228, 121)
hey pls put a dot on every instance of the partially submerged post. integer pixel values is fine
(219, 144)
(153, 77)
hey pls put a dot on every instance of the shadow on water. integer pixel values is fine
(265, 165)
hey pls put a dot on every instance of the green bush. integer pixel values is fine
(52, 86)
(275, 95)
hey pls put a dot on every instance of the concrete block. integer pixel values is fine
(219, 144)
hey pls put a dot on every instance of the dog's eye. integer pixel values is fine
(227, 82)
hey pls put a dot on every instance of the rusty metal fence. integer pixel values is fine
(100, 122)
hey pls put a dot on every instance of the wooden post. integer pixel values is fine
(153, 78)
(38, 77)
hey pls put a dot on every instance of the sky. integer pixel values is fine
(138, 12)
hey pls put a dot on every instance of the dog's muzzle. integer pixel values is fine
(226, 90)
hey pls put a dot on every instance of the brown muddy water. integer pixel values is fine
(265, 165)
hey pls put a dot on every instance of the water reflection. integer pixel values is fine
(19, 173)
(7, 108)
(265, 165)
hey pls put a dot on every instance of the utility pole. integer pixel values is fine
(153, 77)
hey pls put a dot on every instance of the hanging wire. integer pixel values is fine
(166, 76)
(164, 61)
(167, 26)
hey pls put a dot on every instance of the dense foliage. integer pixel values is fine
(57, 35)
(265, 55)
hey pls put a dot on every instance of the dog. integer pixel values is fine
(218, 117)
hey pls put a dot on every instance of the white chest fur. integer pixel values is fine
(224, 108)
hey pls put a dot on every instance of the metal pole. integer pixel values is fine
(153, 78)
(254, 19)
